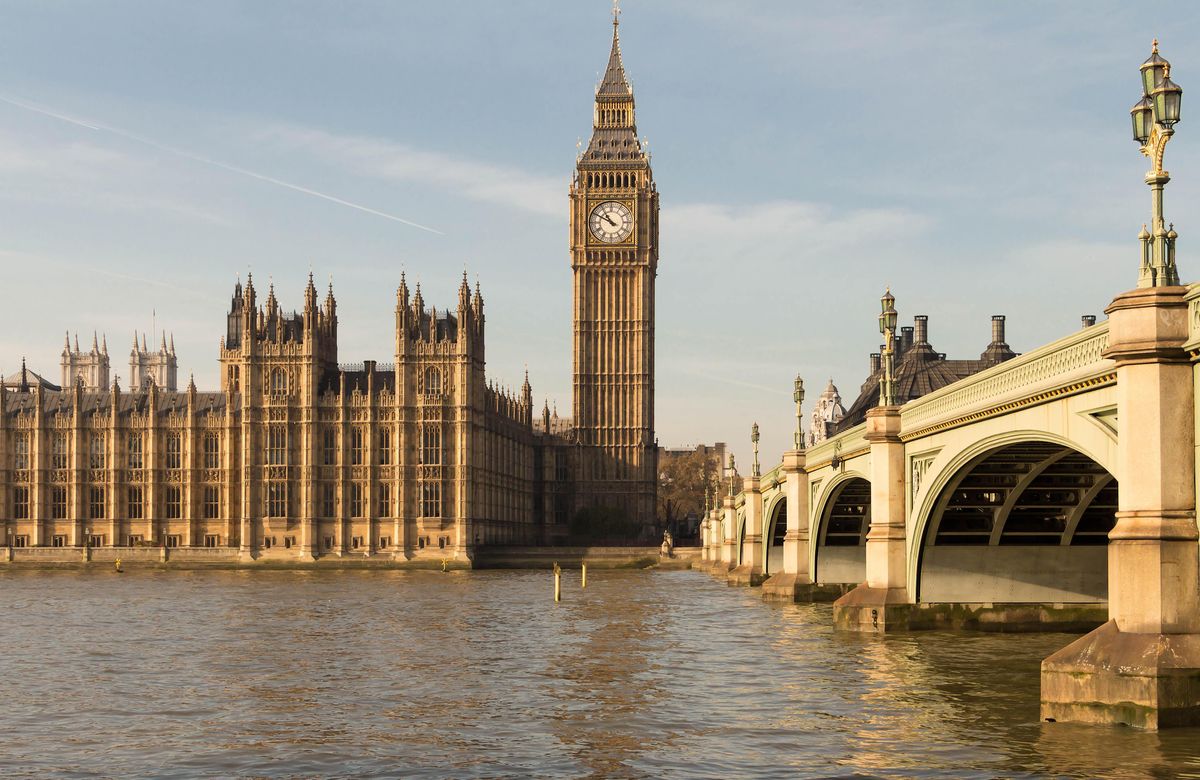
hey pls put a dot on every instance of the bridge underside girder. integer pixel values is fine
(1025, 523)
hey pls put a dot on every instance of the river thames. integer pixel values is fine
(480, 674)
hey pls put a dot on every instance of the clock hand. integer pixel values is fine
(609, 219)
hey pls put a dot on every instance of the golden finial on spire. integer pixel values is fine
(1153, 44)
(616, 12)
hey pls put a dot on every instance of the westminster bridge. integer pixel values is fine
(1053, 491)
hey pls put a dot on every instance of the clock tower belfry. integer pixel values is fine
(614, 257)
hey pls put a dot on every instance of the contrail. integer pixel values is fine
(735, 382)
(208, 161)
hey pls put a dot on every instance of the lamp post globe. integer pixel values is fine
(1142, 115)
(1167, 96)
(1154, 69)
(887, 315)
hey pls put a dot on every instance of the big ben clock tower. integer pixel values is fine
(614, 256)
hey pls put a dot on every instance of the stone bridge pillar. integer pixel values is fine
(750, 570)
(1142, 667)
(716, 537)
(794, 583)
(729, 529)
(882, 603)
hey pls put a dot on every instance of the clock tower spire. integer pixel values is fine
(614, 257)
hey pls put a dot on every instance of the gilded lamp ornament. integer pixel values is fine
(1154, 118)
(887, 326)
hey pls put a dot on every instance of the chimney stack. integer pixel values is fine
(921, 329)
(906, 338)
(876, 360)
(997, 328)
(1089, 320)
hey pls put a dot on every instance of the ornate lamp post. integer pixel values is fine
(887, 326)
(754, 440)
(1154, 118)
(798, 397)
(732, 472)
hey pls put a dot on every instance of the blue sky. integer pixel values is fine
(975, 156)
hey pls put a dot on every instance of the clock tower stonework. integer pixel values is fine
(614, 257)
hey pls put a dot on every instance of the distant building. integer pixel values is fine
(160, 367)
(714, 452)
(25, 380)
(919, 369)
(693, 507)
(90, 368)
(94, 370)
(826, 414)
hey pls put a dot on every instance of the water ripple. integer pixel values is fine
(423, 674)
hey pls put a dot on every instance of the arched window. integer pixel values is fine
(279, 383)
(433, 381)
(431, 445)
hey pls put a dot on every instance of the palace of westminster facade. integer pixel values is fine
(298, 457)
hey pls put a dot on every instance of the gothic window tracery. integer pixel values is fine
(97, 451)
(135, 450)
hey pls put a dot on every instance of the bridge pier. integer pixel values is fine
(750, 570)
(794, 583)
(714, 540)
(1142, 667)
(882, 602)
(729, 543)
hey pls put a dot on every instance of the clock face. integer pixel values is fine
(611, 222)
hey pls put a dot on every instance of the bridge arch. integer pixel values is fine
(1019, 517)
(838, 539)
(774, 528)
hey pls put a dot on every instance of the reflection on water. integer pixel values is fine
(644, 674)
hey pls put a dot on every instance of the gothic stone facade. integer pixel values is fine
(298, 457)
(614, 256)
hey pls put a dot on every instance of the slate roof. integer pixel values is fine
(920, 370)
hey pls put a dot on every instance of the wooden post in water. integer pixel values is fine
(557, 582)
(583, 576)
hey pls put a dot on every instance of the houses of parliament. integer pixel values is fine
(296, 456)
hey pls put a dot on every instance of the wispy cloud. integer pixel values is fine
(143, 140)
(783, 228)
(393, 161)
(100, 179)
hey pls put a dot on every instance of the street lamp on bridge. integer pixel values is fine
(754, 440)
(1154, 118)
(887, 326)
(798, 397)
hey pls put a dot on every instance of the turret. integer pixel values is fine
(310, 296)
(464, 295)
(527, 400)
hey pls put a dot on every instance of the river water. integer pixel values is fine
(481, 674)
